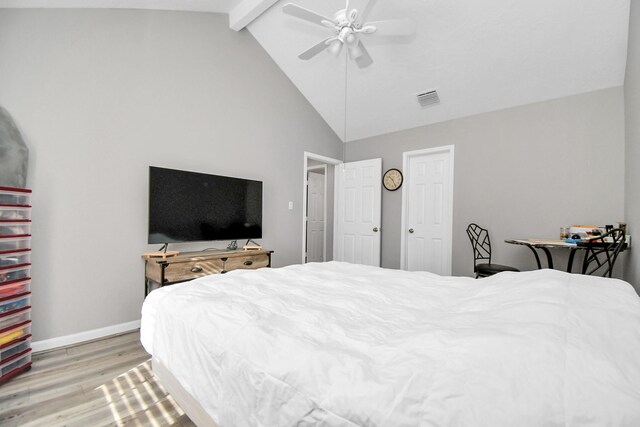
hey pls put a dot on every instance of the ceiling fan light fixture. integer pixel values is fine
(355, 52)
(335, 47)
(350, 39)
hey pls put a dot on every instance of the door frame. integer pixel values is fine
(406, 156)
(327, 161)
(324, 208)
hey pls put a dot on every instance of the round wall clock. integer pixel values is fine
(392, 179)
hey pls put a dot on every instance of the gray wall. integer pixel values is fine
(521, 172)
(102, 94)
(632, 111)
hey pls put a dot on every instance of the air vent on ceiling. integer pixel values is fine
(428, 98)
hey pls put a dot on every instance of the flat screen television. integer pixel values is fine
(188, 207)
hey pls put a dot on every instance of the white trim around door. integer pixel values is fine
(327, 161)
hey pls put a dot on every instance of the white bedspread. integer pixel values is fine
(337, 344)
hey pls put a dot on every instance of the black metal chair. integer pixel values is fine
(481, 245)
(601, 253)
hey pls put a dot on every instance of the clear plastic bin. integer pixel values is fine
(9, 319)
(12, 244)
(11, 259)
(15, 228)
(14, 212)
(10, 274)
(15, 332)
(11, 304)
(13, 288)
(13, 348)
(14, 364)
(15, 196)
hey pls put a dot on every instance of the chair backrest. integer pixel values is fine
(480, 243)
(602, 252)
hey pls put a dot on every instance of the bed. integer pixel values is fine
(337, 344)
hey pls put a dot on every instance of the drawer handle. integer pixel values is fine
(196, 270)
(248, 262)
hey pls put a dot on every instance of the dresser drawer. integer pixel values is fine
(247, 262)
(180, 271)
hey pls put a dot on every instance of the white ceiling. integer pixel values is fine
(481, 56)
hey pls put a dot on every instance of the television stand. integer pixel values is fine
(187, 266)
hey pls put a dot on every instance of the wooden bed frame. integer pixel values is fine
(188, 403)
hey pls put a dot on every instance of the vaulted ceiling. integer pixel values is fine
(480, 56)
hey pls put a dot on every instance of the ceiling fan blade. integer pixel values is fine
(306, 14)
(364, 60)
(316, 49)
(364, 7)
(395, 27)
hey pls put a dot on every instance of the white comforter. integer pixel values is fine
(337, 344)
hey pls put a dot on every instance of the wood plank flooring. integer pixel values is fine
(106, 382)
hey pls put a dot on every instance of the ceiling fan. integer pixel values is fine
(348, 26)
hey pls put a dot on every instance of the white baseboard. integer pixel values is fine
(84, 336)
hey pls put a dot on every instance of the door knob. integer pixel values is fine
(375, 229)
(411, 230)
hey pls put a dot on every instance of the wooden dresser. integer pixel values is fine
(191, 265)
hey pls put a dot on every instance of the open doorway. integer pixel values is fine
(318, 210)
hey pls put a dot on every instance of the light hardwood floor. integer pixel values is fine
(107, 382)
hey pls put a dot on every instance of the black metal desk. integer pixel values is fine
(545, 245)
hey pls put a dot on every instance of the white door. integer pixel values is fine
(427, 201)
(315, 219)
(358, 211)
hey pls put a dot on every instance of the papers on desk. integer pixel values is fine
(551, 242)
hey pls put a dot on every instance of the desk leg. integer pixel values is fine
(570, 263)
(535, 253)
(547, 252)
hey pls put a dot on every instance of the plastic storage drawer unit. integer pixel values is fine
(15, 332)
(8, 274)
(14, 365)
(16, 347)
(8, 305)
(12, 259)
(14, 288)
(15, 196)
(12, 243)
(14, 212)
(15, 283)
